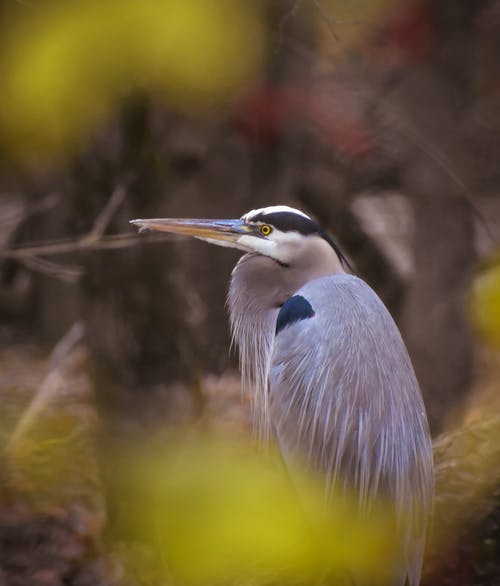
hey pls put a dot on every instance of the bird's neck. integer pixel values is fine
(259, 286)
(254, 301)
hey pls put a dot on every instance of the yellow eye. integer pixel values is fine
(265, 230)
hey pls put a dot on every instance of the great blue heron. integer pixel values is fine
(331, 376)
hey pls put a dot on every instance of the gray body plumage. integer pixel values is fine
(328, 371)
(338, 391)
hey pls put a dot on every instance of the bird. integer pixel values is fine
(330, 376)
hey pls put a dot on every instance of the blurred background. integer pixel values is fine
(380, 118)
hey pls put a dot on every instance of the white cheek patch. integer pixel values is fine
(256, 244)
(278, 245)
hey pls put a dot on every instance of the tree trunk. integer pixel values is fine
(436, 325)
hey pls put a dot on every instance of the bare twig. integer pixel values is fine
(50, 385)
(69, 245)
(30, 254)
(330, 22)
(104, 218)
(327, 18)
(69, 274)
(18, 216)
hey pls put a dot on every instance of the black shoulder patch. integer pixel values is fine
(294, 309)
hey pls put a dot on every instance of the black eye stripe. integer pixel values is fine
(290, 222)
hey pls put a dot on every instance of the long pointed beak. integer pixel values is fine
(221, 232)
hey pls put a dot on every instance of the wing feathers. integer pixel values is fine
(343, 395)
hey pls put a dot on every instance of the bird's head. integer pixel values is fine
(287, 235)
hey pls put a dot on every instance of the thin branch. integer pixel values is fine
(327, 18)
(69, 245)
(29, 255)
(26, 211)
(330, 22)
(104, 218)
(50, 385)
(69, 274)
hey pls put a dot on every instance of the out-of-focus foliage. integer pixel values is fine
(53, 464)
(217, 512)
(485, 305)
(64, 65)
(467, 474)
(465, 536)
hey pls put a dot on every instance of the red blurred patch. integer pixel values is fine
(263, 116)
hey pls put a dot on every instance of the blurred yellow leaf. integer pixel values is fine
(63, 69)
(218, 512)
(485, 305)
